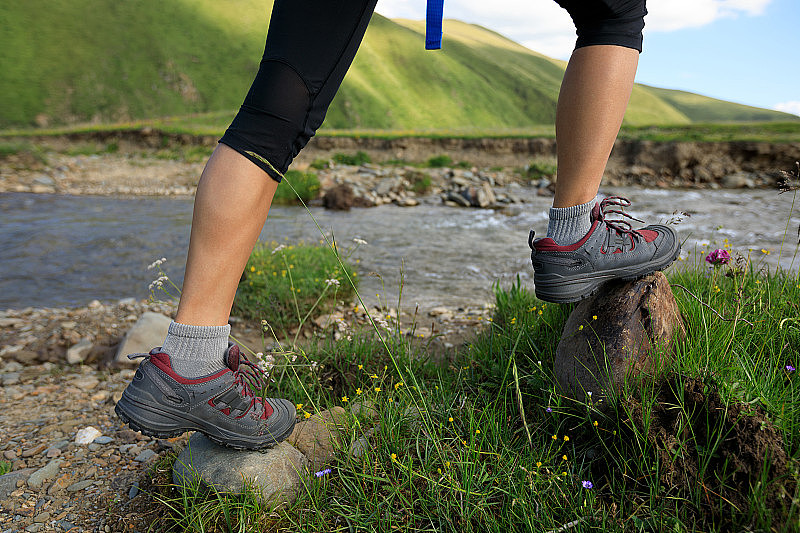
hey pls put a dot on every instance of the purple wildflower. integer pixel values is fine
(718, 257)
(790, 368)
(549, 410)
(587, 484)
(322, 472)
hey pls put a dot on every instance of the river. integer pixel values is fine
(68, 250)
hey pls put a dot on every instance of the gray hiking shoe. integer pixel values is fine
(611, 249)
(224, 406)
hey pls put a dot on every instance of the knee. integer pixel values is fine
(610, 22)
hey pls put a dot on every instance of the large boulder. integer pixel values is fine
(319, 436)
(274, 473)
(147, 333)
(339, 198)
(625, 330)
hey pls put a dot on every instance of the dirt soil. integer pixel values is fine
(689, 416)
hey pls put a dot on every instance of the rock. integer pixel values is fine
(148, 332)
(77, 353)
(482, 196)
(46, 473)
(408, 202)
(339, 198)
(10, 378)
(85, 383)
(102, 440)
(364, 409)
(317, 437)
(145, 455)
(738, 180)
(80, 485)
(620, 332)
(458, 199)
(443, 312)
(87, 435)
(8, 482)
(275, 472)
(36, 450)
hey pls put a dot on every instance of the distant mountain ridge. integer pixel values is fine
(72, 61)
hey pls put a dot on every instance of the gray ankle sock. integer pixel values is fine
(568, 225)
(196, 351)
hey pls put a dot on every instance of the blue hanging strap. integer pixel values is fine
(433, 25)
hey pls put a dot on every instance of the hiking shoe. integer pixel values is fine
(224, 406)
(612, 249)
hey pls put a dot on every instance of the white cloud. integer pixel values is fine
(543, 26)
(789, 107)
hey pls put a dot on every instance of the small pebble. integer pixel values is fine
(94, 447)
(87, 435)
(145, 456)
(103, 439)
(134, 490)
(52, 452)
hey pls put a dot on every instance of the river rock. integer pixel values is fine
(148, 332)
(458, 198)
(339, 198)
(319, 436)
(482, 196)
(47, 472)
(77, 353)
(275, 473)
(739, 180)
(623, 331)
(8, 482)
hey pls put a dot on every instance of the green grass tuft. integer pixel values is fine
(297, 186)
(285, 286)
(359, 158)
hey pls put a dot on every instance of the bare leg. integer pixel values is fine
(594, 95)
(230, 208)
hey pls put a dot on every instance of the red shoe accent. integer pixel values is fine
(162, 362)
(648, 234)
(549, 245)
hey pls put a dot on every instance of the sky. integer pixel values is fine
(744, 51)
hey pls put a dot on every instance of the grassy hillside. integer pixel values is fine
(143, 59)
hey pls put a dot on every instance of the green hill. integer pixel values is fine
(78, 61)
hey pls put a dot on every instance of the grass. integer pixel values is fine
(359, 158)
(483, 440)
(5, 467)
(297, 186)
(285, 286)
(129, 62)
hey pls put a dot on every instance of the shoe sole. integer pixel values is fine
(578, 288)
(137, 423)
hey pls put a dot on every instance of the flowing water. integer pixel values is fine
(68, 250)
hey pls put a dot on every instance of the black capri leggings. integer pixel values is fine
(310, 46)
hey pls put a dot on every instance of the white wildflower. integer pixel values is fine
(278, 248)
(359, 241)
(157, 263)
(332, 281)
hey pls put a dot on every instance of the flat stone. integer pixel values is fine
(10, 378)
(85, 383)
(147, 333)
(8, 482)
(46, 473)
(274, 473)
(102, 439)
(36, 450)
(145, 455)
(80, 485)
(319, 436)
(624, 331)
(77, 353)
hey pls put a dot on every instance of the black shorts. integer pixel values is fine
(310, 46)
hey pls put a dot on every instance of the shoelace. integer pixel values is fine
(249, 377)
(619, 225)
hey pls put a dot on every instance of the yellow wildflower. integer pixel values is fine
(345, 399)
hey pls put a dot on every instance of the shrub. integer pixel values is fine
(539, 169)
(287, 285)
(320, 163)
(420, 181)
(305, 183)
(359, 158)
(439, 161)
